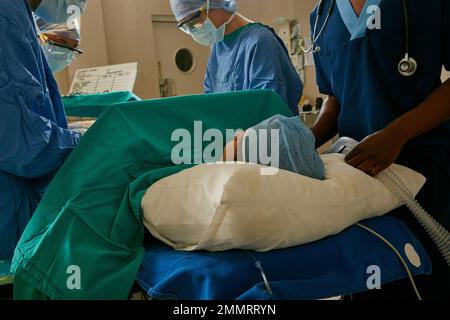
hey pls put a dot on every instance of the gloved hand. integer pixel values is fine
(81, 131)
(81, 126)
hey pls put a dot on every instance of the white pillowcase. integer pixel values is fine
(217, 207)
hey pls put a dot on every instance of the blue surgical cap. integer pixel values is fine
(184, 8)
(297, 149)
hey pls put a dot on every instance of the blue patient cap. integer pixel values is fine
(297, 150)
(184, 8)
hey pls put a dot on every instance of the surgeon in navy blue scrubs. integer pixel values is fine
(400, 114)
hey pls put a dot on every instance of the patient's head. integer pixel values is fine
(281, 142)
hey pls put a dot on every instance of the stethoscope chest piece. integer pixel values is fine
(407, 66)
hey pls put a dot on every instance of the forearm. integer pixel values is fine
(326, 126)
(433, 112)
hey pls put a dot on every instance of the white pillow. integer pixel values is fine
(218, 207)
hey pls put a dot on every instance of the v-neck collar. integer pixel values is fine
(356, 26)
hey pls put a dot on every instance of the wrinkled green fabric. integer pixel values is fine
(91, 217)
(92, 105)
(23, 291)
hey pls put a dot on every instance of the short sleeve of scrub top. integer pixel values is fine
(358, 63)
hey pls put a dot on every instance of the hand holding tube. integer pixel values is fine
(376, 152)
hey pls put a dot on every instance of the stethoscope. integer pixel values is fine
(407, 67)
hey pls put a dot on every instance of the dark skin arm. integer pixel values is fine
(381, 149)
(326, 126)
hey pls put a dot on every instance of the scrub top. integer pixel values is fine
(359, 66)
(34, 139)
(253, 57)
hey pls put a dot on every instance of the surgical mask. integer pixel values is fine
(207, 34)
(57, 57)
(60, 11)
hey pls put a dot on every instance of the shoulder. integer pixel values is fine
(20, 48)
(261, 32)
(16, 23)
(324, 4)
(258, 36)
(15, 17)
(13, 10)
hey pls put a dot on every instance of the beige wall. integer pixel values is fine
(121, 31)
(302, 9)
(93, 44)
(129, 38)
(266, 11)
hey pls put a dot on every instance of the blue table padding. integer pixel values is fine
(333, 266)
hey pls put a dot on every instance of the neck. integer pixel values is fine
(237, 23)
(34, 4)
(358, 6)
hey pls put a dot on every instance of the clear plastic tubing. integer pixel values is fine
(437, 232)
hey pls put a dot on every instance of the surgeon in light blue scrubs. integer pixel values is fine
(34, 137)
(380, 63)
(245, 55)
